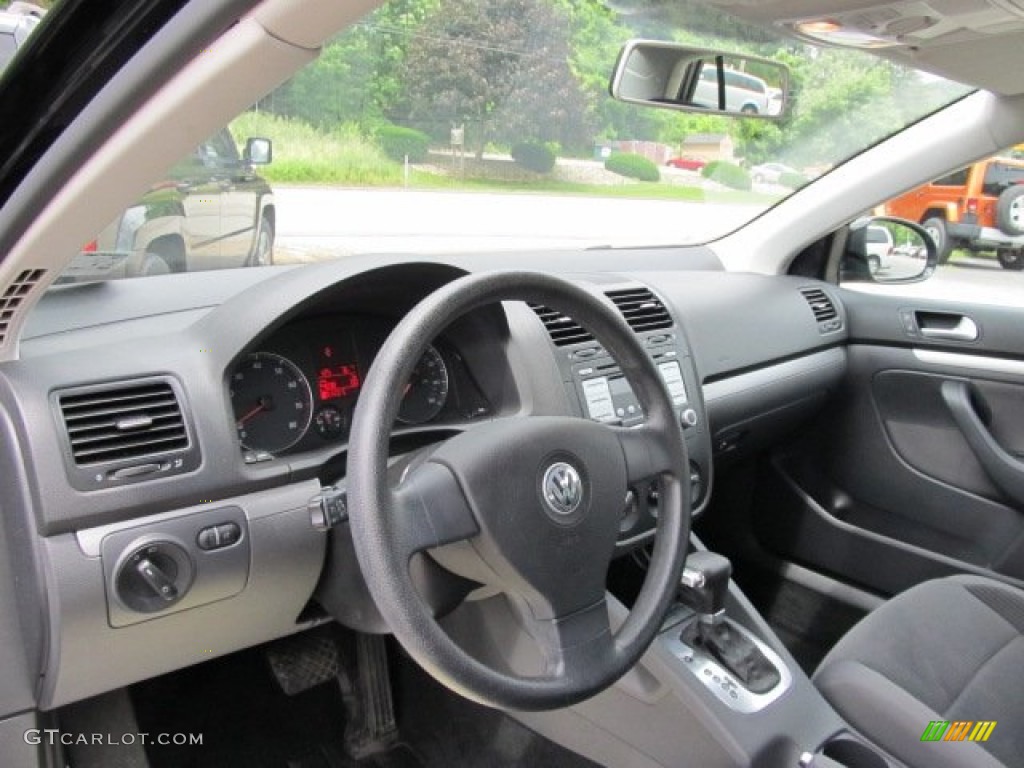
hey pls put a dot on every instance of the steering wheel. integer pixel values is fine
(538, 498)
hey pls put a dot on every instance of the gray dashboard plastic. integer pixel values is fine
(193, 326)
(88, 656)
(738, 322)
(21, 625)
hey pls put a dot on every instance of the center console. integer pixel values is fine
(597, 389)
(683, 705)
(717, 687)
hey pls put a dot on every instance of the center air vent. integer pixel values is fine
(825, 312)
(118, 433)
(642, 309)
(562, 328)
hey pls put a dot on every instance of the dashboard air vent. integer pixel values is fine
(562, 328)
(821, 304)
(114, 424)
(825, 312)
(642, 309)
(13, 297)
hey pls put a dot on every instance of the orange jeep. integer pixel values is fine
(980, 207)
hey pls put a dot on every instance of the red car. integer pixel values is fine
(687, 163)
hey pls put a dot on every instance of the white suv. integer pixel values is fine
(879, 246)
(744, 93)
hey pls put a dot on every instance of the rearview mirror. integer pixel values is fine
(669, 75)
(880, 249)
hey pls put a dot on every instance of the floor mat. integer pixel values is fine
(447, 730)
(246, 721)
(243, 717)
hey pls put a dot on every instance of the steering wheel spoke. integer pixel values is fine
(574, 645)
(645, 452)
(430, 510)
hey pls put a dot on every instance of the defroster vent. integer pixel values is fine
(14, 296)
(130, 422)
(642, 309)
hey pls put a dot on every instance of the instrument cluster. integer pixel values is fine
(298, 391)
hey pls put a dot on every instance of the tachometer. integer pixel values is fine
(272, 402)
(427, 390)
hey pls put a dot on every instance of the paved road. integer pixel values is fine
(317, 223)
(322, 223)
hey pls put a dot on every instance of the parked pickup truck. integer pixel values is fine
(980, 208)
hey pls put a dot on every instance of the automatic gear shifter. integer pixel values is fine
(704, 586)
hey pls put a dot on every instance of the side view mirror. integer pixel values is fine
(883, 249)
(673, 76)
(258, 152)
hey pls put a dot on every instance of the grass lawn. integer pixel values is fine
(348, 157)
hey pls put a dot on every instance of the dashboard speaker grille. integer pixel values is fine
(111, 424)
(14, 295)
(821, 305)
(642, 309)
(562, 329)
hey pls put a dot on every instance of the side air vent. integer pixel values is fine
(14, 296)
(642, 309)
(825, 312)
(562, 328)
(125, 432)
(126, 423)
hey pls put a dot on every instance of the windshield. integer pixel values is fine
(445, 126)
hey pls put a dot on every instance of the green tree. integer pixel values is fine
(502, 70)
(358, 75)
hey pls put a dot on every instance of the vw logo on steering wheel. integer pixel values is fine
(562, 488)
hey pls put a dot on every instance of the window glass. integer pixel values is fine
(1000, 176)
(955, 179)
(453, 126)
(976, 216)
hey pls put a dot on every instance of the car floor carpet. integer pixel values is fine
(807, 622)
(248, 722)
(447, 730)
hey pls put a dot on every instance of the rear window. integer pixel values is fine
(877, 235)
(734, 79)
(999, 176)
(744, 81)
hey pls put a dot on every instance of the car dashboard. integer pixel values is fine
(297, 392)
(174, 435)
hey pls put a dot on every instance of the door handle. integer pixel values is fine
(1004, 469)
(964, 330)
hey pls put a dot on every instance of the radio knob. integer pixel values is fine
(688, 417)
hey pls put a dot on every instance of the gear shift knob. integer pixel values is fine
(705, 584)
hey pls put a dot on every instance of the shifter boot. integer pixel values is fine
(735, 652)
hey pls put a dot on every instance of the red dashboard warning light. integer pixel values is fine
(338, 381)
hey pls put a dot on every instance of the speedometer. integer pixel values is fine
(426, 391)
(271, 401)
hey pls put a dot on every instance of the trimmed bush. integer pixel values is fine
(398, 141)
(533, 157)
(727, 174)
(632, 166)
(792, 180)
